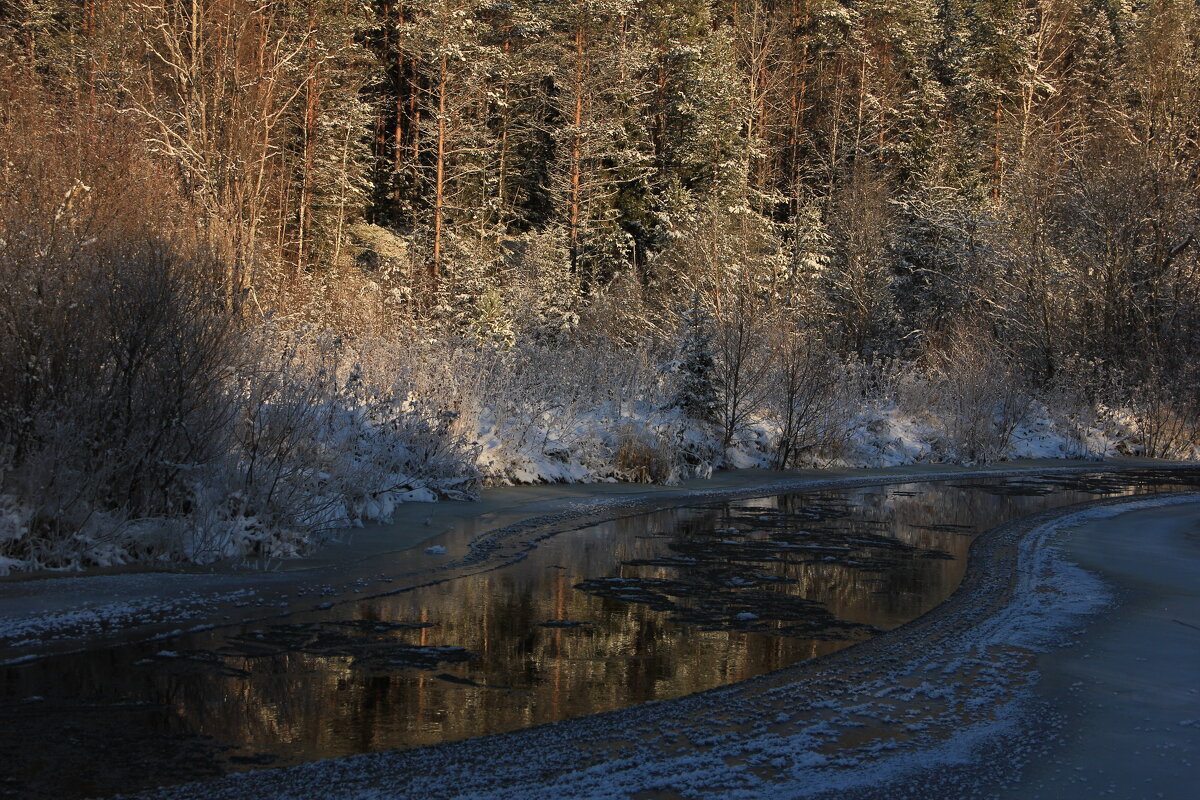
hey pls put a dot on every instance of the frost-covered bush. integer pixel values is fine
(317, 444)
(1078, 400)
(542, 411)
(978, 395)
(742, 370)
(144, 415)
(303, 444)
(562, 413)
(1166, 408)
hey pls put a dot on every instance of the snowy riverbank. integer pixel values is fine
(351, 435)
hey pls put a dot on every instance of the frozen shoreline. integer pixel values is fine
(945, 706)
(51, 613)
(1128, 690)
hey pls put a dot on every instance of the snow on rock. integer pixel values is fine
(422, 495)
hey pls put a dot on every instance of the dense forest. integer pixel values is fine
(267, 268)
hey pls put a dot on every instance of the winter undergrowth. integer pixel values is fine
(314, 432)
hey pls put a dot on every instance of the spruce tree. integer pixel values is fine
(697, 393)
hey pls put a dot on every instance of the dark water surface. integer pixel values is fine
(645, 608)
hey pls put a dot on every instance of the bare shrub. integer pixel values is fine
(742, 368)
(1167, 409)
(115, 340)
(641, 459)
(114, 398)
(978, 394)
(809, 398)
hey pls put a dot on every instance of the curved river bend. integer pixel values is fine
(644, 608)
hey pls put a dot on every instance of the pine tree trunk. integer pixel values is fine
(439, 200)
(398, 133)
(310, 135)
(575, 150)
(996, 155)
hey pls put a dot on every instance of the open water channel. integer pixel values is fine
(645, 608)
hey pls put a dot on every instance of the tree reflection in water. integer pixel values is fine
(639, 609)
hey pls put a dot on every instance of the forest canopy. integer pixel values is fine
(889, 166)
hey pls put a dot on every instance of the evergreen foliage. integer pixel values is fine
(890, 166)
(697, 394)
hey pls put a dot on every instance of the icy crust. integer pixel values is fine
(68, 612)
(939, 707)
(109, 615)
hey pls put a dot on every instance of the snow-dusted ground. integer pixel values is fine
(88, 618)
(943, 707)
